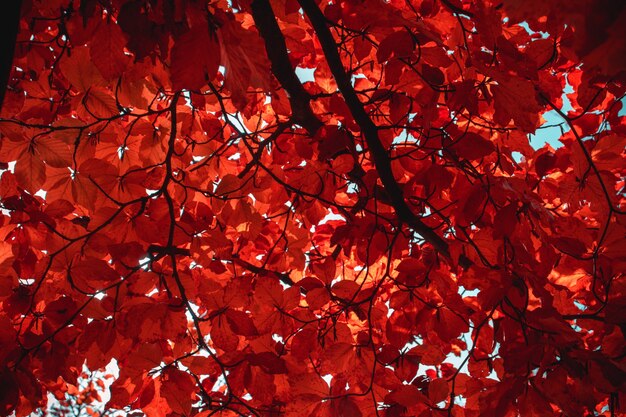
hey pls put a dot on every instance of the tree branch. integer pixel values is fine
(278, 55)
(370, 132)
(161, 251)
(10, 21)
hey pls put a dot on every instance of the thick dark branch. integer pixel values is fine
(160, 251)
(276, 48)
(370, 131)
(585, 151)
(165, 250)
(582, 316)
(10, 23)
(282, 276)
(456, 9)
(256, 156)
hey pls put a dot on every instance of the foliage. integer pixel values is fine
(81, 400)
(376, 239)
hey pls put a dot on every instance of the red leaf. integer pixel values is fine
(178, 388)
(346, 290)
(100, 103)
(473, 146)
(544, 163)
(399, 44)
(406, 395)
(438, 390)
(244, 59)
(570, 246)
(30, 172)
(195, 58)
(92, 273)
(80, 70)
(516, 99)
(505, 221)
(107, 50)
(240, 323)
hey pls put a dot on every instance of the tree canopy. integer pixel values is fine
(301, 208)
